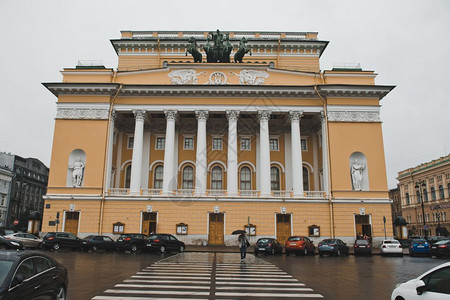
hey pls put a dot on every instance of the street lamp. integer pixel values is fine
(419, 186)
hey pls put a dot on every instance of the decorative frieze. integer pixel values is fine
(354, 116)
(251, 77)
(186, 76)
(82, 113)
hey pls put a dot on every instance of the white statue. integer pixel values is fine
(357, 174)
(251, 77)
(77, 174)
(184, 76)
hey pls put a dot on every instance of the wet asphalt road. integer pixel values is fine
(351, 277)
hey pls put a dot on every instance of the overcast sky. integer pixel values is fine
(406, 42)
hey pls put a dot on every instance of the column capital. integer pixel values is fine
(295, 115)
(113, 115)
(232, 115)
(202, 115)
(264, 115)
(139, 114)
(322, 116)
(171, 114)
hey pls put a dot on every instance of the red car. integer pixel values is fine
(299, 244)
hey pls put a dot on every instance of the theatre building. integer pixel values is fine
(198, 134)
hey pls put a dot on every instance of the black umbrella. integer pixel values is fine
(239, 231)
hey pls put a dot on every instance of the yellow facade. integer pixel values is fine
(103, 114)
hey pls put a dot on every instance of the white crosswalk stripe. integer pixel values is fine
(209, 276)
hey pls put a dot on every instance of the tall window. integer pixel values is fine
(274, 145)
(216, 178)
(407, 199)
(130, 142)
(188, 143)
(441, 192)
(188, 178)
(245, 144)
(245, 179)
(433, 194)
(418, 196)
(160, 143)
(425, 195)
(127, 177)
(158, 178)
(305, 179)
(217, 144)
(275, 178)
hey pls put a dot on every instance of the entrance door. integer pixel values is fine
(283, 227)
(148, 223)
(71, 224)
(363, 226)
(215, 236)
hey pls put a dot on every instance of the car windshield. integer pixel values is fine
(153, 237)
(420, 242)
(329, 241)
(263, 241)
(88, 237)
(362, 242)
(5, 267)
(294, 238)
(391, 242)
(442, 242)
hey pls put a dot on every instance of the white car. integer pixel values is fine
(391, 247)
(29, 240)
(431, 285)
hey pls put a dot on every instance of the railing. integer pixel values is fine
(184, 192)
(216, 192)
(248, 193)
(314, 194)
(284, 194)
(118, 192)
(151, 192)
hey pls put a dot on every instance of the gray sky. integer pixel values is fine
(406, 42)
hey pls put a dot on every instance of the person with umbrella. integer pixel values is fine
(243, 242)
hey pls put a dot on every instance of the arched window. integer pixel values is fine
(425, 195)
(305, 179)
(407, 199)
(158, 177)
(274, 179)
(128, 177)
(418, 196)
(216, 178)
(245, 179)
(441, 192)
(433, 194)
(188, 178)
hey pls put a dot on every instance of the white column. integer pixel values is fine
(232, 157)
(119, 159)
(288, 161)
(145, 160)
(264, 148)
(315, 162)
(169, 153)
(296, 152)
(110, 152)
(136, 160)
(324, 152)
(201, 172)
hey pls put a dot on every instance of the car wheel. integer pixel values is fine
(162, 249)
(181, 249)
(94, 248)
(338, 252)
(61, 293)
(133, 248)
(399, 298)
(305, 252)
(56, 246)
(272, 251)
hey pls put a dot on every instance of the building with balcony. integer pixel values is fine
(425, 197)
(200, 147)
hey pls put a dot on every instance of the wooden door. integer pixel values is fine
(71, 224)
(149, 223)
(363, 226)
(215, 236)
(283, 227)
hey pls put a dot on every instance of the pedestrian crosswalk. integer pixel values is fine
(210, 276)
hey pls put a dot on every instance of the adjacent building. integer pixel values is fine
(201, 146)
(425, 197)
(6, 176)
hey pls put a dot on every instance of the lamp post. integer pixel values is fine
(419, 185)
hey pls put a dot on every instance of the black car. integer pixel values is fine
(333, 247)
(164, 242)
(58, 240)
(97, 242)
(131, 242)
(268, 245)
(441, 248)
(10, 244)
(362, 246)
(31, 275)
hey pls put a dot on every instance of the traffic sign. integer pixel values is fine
(16, 222)
(425, 227)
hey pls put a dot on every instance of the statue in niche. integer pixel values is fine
(242, 50)
(357, 174)
(192, 49)
(77, 173)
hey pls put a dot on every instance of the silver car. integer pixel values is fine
(391, 247)
(28, 240)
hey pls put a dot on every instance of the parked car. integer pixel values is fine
(9, 244)
(441, 248)
(391, 247)
(98, 242)
(437, 238)
(58, 240)
(268, 245)
(131, 242)
(419, 246)
(299, 244)
(333, 247)
(29, 240)
(31, 275)
(4, 231)
(431, 285)
(362, 246)
(164, 242)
